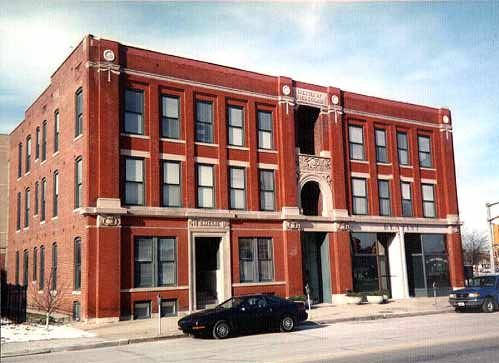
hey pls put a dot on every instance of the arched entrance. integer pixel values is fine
(311, 199)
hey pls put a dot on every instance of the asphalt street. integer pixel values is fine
(469, 337)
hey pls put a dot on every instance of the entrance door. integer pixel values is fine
(315, 264)
(209, 277)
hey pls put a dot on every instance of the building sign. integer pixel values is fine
(309, 97)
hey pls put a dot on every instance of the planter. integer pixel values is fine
(353, 300)
(374, 299)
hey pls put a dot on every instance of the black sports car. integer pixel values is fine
(245, 314)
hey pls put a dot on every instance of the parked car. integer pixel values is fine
(245, 314)
(480, 292)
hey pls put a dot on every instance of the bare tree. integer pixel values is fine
(49, 299)
(475, 246)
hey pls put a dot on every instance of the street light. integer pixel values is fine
(491, 231)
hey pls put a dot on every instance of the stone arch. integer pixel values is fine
(325, 192)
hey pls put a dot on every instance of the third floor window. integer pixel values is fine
(424, 146)
(265, 134)
(171, 184)
(28, 154)
(170, 117)
(235, 119)
(204, 121)
(381, 148)
(79, 112)
(402, 148)
(134, 181)
(134, 112)
(56, 131)
(44, 140)
(406, 199)
(356, 142)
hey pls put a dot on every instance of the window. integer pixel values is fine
(237, 187)
(170, 117)
(155, 262)
(37, 146)
(428, 191)
(356, 141)
(79, 112)
(256, 259)
(44, 141)
(267, 190)
(265, 136)
(37, 186)
(19, 160)
(35, 263)
(168, 307)
(18, 216)
(17, 267)
(403, 148)
(28, 154)
(56, 131)
(381, 149)
(206, 195)
(171, 184)
(359, 196)
(424, 146)
(42, 199)
(134, 181)
(55, 196)
(77, 264)
(25, 268)
(235, 117)
(41, 275)
(53, 272)
(204, 121)
(406, 199)
(384, 197)
(76, 311)
(78, 182)
(27, 207)
(134, 111)
(142, 310)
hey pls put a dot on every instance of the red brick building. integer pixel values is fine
(141, 174)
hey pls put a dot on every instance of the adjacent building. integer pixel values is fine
(4, 198)
(137, 176)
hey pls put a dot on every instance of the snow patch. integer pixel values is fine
(26, 332)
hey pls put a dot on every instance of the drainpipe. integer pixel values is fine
(491, 231)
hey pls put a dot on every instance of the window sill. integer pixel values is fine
(77, 210)
(271, 151)
(359, 161)
(205, 144)
(152, 289)
(406, 166)
(42, 222)
(383, 164)
(138, 136)
(55, 154)
(25, 228)
(54, 218)
(235, 147)
(177, 141)
(27, 173)
(43, 162)
(268, 283)
(429, 169)
(78, 137)
(76, 292)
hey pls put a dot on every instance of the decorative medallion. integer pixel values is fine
(291, 225)
(335, 99)
(445, 119)
(286, 90)
(108, 221)
(108, 55)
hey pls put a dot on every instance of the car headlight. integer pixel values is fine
(474, 294)
(452, 296)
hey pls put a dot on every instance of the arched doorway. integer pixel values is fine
(311, 199)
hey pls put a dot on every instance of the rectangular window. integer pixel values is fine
(18, 214)
(134, 112)
(170, 117)
(79, 112)
(27, 207)
(206, 195)
(406, 199)
(168, 307)
(171, 184)
(424, 146)
(78, 182)
(56, 131)
(381, 149)
(44, 141)
(77, 264)
(28, 154)
(76, 311)
(19, 160)
(37, 194)
(55, 195)
(53, 273)
(25, 268)
(35, 263)
(37, 146)
(235, 118)
(134, 181)
(428, 191)
(17, 267)
(267, 190)
(41, 275)
(237, 186)
(204, 121)
(265, 134)
(384, 197)
(359, 196)
(256, 259)
(155, 262)
(142, 310)
(42, 199)
(403, 148)
(356, 141)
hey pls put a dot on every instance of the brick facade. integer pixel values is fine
(108, 228)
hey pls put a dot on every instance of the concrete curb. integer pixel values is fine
(112, 343)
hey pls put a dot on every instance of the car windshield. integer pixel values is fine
(484, 281)
(233, 302)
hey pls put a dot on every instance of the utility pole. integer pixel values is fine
(491, 231)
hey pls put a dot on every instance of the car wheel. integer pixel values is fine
(488, 305)
(287, 324)
(221, 330)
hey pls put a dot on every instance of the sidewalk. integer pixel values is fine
(136, 331)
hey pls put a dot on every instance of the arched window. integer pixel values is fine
(28, 153)
(53, 273)
(41, 275)
(78, 112)
(77, 264)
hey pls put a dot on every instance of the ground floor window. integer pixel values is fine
(155, 261)
(168, 307)
(142, 310)
(256, 259)
(76, 310)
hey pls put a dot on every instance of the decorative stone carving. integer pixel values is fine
(291, 225)
(316, 165)
(343, 226)
(108, 220)
(208, 223)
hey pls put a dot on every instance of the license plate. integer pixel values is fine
(460, 304)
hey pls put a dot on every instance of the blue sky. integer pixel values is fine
(437, 54)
